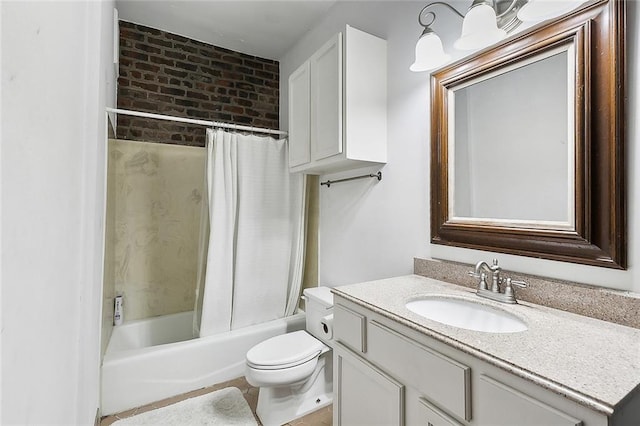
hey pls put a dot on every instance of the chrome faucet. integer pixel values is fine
(507, 295)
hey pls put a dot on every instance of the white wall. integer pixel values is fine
(57, 77)
(369, 230)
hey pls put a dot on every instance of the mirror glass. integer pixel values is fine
(511, 144)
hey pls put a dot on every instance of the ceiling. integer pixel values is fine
(261, 28)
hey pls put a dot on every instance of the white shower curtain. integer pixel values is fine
(256, 216)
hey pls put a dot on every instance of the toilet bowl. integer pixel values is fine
(294, 370)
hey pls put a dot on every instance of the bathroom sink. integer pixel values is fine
(466, 314)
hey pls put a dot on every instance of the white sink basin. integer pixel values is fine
(466, 314)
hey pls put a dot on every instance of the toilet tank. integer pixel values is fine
(318, 305)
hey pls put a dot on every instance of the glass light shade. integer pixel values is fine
(429, 53)
(539, 10)
(479, 29)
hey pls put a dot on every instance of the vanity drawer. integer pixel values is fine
(350, 328)
(501, 405)
(445, 382)
(433, 416)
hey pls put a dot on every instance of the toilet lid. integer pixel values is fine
(286, 350)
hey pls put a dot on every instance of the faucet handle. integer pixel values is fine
(520, 284)
(483, 279)
(509, 295)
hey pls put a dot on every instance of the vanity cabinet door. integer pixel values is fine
(501, 405)
(364, 395)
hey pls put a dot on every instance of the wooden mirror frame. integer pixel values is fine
(597, 30)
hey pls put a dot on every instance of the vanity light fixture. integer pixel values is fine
(486, 22)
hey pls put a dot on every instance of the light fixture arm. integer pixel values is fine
(433, 15)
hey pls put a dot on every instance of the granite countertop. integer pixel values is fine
(592, 362)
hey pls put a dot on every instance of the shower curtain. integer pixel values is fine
(253, 253)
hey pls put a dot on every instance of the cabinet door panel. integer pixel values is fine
(500, 405)
(326, 100)
(299, 116)
(364, 394)
(444, 381)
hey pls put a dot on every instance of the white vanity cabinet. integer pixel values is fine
(388, 373)
(338, 105)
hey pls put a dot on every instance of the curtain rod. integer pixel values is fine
(194, 121)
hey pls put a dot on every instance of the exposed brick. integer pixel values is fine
(176, 73)
(147, 67)
(172, 91)
(274, 68)
(242, 119)
(197, 113)
(146, 86)
(256, 81)
(171, 74)
(192, 94)
(175, 55)
(211, 71)
(253, 64)
(198, 60)
(163, 61)
(159, 42)
(244, 70)
(245, 86)
(185, 48)
(233, 109)
(186, 102)
(186, 66)
(176, 37)
(232, 59)
(243, 102)
(200, 77)
(265, 75)
(222, 65)
(160, 98)
(134, 55)
(127, 34)
(148, 48)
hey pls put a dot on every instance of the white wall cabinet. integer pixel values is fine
(338, 105)
(434, 383)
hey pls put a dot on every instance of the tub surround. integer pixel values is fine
(620, 307)
(151, 249)
(591, 362)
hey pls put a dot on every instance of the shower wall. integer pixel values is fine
(155, 195)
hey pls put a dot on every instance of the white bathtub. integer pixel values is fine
(148, 360)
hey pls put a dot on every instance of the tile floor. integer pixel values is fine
(322, 417)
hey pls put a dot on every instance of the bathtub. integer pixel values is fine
(151, 359)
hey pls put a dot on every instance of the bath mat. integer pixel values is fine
(225, 407)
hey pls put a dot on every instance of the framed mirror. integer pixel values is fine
(527, 143)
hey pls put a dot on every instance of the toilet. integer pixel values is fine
(294, 371)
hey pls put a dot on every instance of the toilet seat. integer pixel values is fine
(285, 351)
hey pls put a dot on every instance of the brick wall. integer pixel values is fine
(169, 74)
